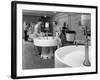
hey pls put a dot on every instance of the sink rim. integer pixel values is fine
(47, 42)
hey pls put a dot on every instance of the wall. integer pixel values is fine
(86, 19)
(61, 18)
(30, 18)
(72, 20)
(75, 26)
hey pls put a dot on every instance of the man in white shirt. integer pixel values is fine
(57, 32)
(36, 33)
(37, 29)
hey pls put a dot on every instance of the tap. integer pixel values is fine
(86, 36)
(86, 61)
(75, 43)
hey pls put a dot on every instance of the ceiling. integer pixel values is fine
(38, 13)
(46, 13)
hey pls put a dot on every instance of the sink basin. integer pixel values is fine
(70, 56)
(45, 41)
(46, 44)
(70, 35)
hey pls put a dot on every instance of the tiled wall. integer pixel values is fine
(73, 22)
(61, 18)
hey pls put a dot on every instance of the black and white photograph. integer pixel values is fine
(54, 39)
(52, 36)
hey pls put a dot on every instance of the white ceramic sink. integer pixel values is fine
(70, 56)
(45, 41)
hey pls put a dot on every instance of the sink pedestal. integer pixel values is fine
(47, 53)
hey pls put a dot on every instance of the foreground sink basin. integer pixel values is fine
(70, 56)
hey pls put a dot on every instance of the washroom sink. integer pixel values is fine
(70, 35)
(71, 56)
(45, 41)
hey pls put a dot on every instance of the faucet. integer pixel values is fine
(86, 61)
(75, 43)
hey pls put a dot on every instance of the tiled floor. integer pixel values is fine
(30, 59)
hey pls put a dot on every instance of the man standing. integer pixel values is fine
(36, 34)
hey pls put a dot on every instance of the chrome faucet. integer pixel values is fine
(86, 61)
(75, 41)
